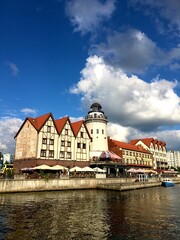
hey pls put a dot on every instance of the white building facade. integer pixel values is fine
(173, 159)
(96, 123)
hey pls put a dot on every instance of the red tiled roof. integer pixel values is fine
(129, 146)
(60, 123)
(148, 141)
(76, 126)
(39, 122)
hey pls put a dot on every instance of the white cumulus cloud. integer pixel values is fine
(27, 111)
(134, 52)
(8, 129)
(128, 101)
(86, 15)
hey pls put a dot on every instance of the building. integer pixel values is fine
(158, 150)
(173, 159)
(132, 155)
(96, 123)
(43, 140)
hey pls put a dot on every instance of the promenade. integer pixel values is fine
(116, 184)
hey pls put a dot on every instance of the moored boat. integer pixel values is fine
(167, 182)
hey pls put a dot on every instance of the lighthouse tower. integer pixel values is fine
(96, 123)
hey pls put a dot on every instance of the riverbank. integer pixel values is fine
(33, 185)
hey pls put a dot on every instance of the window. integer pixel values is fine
(66, 131)
(84, 146)
(97, 131)
(51, 153)
(44, 140)
(91, 131)
(51, 141)
(81, 134)
(48, 128)
(61, 154)
(68, 155)
(102, 131)
(43, 153)
(78, 145)
(63, 143)
(69, 144)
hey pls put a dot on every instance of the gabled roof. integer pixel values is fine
(148, 141)
(37, 123)
(129, 146)
(60, 123)
(77, 126)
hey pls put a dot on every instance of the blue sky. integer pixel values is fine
(60, 56)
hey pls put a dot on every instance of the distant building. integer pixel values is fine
(173, 159)
(132, 155)
(8, 158)
(158, 150)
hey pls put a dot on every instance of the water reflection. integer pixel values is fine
(89, 214)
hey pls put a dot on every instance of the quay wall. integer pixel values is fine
(32, 185)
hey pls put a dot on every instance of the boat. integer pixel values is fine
(167, 182)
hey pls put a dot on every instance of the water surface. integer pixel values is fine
(152, 213)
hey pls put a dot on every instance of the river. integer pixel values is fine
(151, 213)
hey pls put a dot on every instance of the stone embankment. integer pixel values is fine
(32, 185)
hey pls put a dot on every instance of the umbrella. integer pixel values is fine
(99, 170)
(77, 169)
(42, 167)
(58, 167)
(87, 169)
(26, 169)
(132, 170)
(139, 170)
(110, 155)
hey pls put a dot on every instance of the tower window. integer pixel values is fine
(91, 131)
(102, 131)
(97, 131)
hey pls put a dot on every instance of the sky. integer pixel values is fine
(60, 56)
